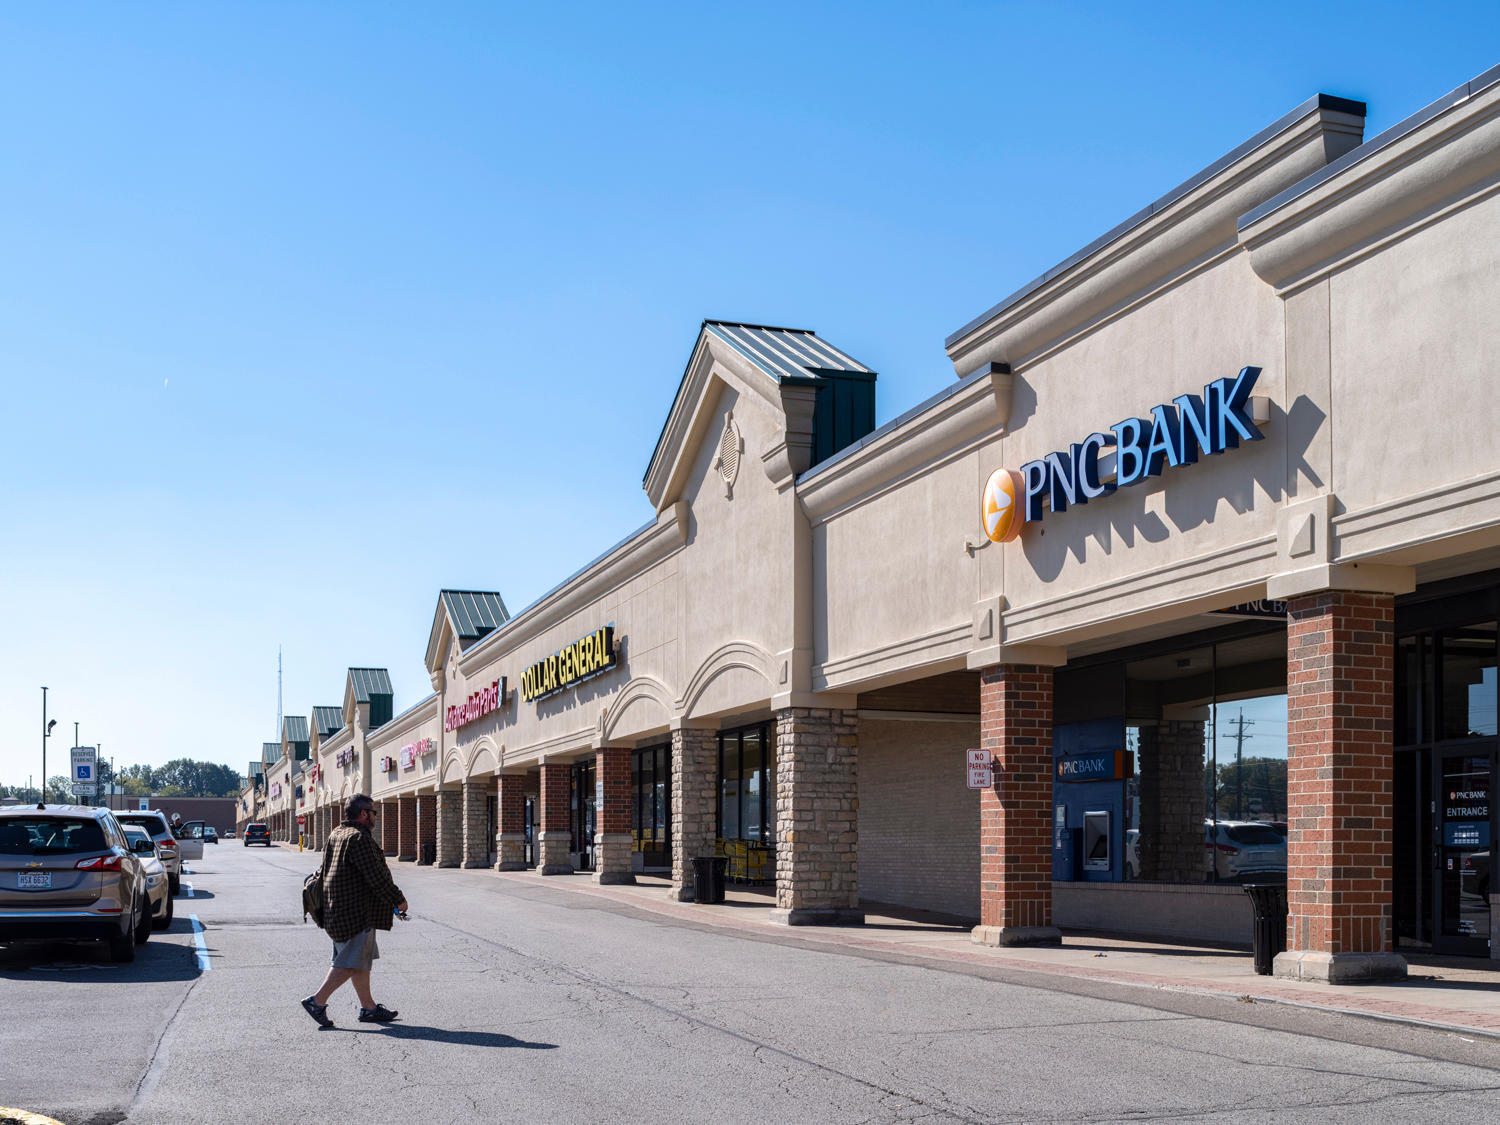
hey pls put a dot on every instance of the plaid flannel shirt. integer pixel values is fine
(358, 892)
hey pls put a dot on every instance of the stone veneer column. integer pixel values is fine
(427, 828)
(817, 818)
(612, 839)
(1015, 816)
(450, 827)
(695, 777)
(1340, 706)
(554, 836)
(390, 826)
(476, 826)
(510, 843)
(406, 843)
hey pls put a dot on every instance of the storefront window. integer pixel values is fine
(747, 800)
(651, 803)
(1468, 682)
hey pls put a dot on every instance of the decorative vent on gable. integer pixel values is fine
(728, 460)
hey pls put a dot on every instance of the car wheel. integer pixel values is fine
(166, 917)
(174, 886)
(143, 927)
(122, 945)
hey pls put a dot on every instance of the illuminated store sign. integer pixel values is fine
(1174, 434)
(477, 706)
(419, 749)
(583, 658)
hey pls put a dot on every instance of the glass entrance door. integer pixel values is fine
(1463, 830)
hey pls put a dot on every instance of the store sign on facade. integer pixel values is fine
(1174, 434)
(275, 789)
(387, 764)
(1107, 765)
(477, 706)
(585, 657)
(419, 749)
(344, 757)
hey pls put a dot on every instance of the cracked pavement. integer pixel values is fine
(519, 1002)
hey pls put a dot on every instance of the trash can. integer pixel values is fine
(708, 879)
(429, 855)
(1268, 930)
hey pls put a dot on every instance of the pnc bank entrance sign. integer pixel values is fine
(1133, 450)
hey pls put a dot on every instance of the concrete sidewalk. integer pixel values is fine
(1454, 994)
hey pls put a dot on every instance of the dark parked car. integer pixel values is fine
(257, 834)
(67, 873)
(210, 834)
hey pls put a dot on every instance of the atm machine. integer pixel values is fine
(1090, 769)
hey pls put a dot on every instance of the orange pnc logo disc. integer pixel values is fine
(1000, 507)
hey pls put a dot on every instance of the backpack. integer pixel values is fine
(312, 892)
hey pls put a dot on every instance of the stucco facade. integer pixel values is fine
(848, 602)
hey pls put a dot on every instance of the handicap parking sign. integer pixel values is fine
(85, 772)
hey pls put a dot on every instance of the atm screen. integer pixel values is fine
(1096, 841)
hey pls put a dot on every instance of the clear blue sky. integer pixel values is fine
(306, 308)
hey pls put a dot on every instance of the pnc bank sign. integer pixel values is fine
(1174, 434)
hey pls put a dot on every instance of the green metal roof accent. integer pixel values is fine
(474, 613)
(327, 720)
(294, 728)
(366, 682)
(269, 752)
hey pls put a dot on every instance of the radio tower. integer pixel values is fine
(278, 693)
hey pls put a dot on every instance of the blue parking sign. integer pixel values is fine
(85, 773)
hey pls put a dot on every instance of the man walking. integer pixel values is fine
(358, 898)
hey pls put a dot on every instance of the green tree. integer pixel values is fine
(1255, 789)
(134, 787)
(60, 790)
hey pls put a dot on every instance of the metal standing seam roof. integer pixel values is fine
(474, 613)
(327, 720)
(294, 728)
(369, 681)
(269, 752)
(785, 354)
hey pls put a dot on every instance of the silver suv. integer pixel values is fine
(155, 823)
(67, 874)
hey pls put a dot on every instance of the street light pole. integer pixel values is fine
(46, 732)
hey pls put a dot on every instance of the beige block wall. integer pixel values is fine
(918, 820)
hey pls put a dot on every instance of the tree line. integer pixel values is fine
(181, 777)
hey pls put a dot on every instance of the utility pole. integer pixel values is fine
(1240, 738)
(46, 732)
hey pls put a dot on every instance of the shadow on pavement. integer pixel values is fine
(194, 897)
(456, 1038)
(82, 963)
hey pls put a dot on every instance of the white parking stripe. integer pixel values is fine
(203, 962)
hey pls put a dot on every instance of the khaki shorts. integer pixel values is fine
(358, 953)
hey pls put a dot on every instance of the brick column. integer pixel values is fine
(1015, 816)
(612, 840)
(427, 828)
(406, 840)
(476, 822)
(510, 844)
(695, 777)
(817, 818)
(554, 833)
(390, 826)
(1340, 704)
(450, 827)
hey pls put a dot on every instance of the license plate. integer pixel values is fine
(34, 880)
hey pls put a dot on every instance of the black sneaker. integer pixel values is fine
(378, 1014)
(319, 1012)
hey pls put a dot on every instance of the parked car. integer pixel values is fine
(158, 890)
(1132, 853)
(210, 834)
(1240, 850)
(189, 835)
(67, 874)
(257, 834)
(167, 845)
(229, 834)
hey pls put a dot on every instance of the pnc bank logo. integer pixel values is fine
(1001, 506)
(1131, 451)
